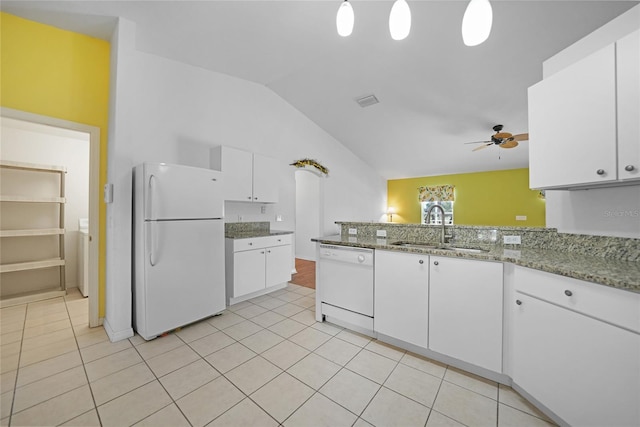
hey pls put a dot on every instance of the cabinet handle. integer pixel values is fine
(268, 252)
(435, 263)
(279, 240)
(250, 243)
(261, 252)
(600, 171)
(421, 262)
(518, 302)
(249, 197)
(255, 198)
(568, 293)
(629, 168)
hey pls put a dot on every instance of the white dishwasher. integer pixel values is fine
(345, 276)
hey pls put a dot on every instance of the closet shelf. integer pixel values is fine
(31, 265)
(9, 164)
(27, 199)
(31, 232)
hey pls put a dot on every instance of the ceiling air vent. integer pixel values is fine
(366, 101)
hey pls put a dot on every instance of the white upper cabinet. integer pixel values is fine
(248, 177)
(583, 120)
(628, 55)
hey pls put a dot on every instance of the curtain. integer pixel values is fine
(440, 193)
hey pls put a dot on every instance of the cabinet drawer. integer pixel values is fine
(261, 242)
(611, 305)
(278, 240)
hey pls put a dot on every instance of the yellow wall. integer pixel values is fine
(61, 74)
(482, 198)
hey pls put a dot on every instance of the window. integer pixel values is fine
(443, 196)
(436, 214)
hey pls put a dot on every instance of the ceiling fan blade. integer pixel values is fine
(521, 137)
(502, 135)
(478, 142)
(510, 143)
(482, 146)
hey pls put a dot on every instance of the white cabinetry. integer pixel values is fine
(465, 310)
(402, 296)
(575, 349)
(32, 231)
(589, 111)
(258, 265)
(248, 177)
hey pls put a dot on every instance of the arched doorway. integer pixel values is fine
(309, 217)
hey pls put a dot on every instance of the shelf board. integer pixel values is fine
(27, 297)
(31, 166)
(32, 265)
(31, 232)
(26, 199)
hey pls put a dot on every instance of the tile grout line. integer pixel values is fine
(84, 367)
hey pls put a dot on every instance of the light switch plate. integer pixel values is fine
(353, 231)
(521, 217)
(381, 233)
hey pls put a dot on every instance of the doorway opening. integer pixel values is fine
(33, 140)
(309, 218)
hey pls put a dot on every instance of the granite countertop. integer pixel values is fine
(606, 271)
(254, 233)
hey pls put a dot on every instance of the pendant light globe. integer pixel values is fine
(344, 19)
(400, 20)
(476, 22)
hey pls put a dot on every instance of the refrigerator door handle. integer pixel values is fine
(152, 247)
(151, 187)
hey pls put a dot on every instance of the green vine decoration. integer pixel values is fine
(310, 162)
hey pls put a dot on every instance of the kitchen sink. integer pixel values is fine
(428, 245)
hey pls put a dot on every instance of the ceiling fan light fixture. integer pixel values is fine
(477, 22)
(400, 20)
(345, 19)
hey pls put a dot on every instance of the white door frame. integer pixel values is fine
(94, 192)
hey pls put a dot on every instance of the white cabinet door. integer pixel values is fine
(278, 265)
(628, 57)
(249, 271)
(584, 370)
(402, 296)
(572, 124)
(265, 179)
(465, 310)
(237, 166)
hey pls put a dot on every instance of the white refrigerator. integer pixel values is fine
(178, 256)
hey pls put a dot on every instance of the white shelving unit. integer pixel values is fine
(32, 203)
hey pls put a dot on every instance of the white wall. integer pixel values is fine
(607, 211)
(46, 145)
(165, 111)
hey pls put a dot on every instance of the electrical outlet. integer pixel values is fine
(278, 217)
(353, 231)
(511, 240)
(521, 217)
(381, 233)
(263, 209)
(239, 218)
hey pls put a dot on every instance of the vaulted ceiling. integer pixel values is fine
(435, 93)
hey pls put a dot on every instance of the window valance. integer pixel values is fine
(440, 193)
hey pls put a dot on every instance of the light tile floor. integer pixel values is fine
(264, 362)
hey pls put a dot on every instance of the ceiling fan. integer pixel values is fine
(501, 139)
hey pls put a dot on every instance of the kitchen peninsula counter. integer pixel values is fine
(605, 271)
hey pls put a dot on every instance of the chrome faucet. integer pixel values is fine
(442, 236)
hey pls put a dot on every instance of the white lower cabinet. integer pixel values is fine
(569, 352)
(402, 296)
(465, 310)
(255, 265)
(586, 371)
